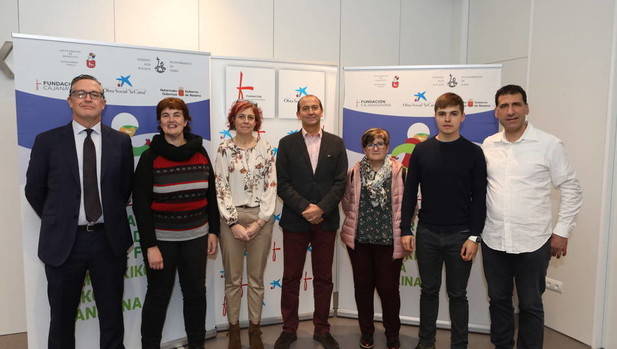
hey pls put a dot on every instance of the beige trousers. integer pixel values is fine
(257, 250)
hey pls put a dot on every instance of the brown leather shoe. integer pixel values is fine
(255, 337)
(234, 337)
(285, 340)
(326, 340)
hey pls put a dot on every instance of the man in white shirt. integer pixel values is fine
(519, 238)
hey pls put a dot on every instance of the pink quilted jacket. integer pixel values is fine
(351, 204)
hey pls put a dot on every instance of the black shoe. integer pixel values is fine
(285, 340)
(366, 342)
(424, 346)
(393, 344)
(326, 340)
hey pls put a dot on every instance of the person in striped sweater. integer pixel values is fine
(174, 201)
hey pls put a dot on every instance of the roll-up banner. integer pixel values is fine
(401, 99)
(135, 79)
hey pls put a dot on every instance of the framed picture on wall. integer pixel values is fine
(293, 85)
(251, 83)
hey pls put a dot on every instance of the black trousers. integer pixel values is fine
(374, 269)
(91, 252)
(433, 250)
(528, 271)
(189, 258)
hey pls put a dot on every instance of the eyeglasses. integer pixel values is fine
(378, 145)
(308, 108)
(245, 117)
(81, 94)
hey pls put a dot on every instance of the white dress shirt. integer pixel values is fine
(80, 134)
(521, 175)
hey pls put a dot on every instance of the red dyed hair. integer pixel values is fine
(239, 106)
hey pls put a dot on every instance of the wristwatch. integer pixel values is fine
(475, 238)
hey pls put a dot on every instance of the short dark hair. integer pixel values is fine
(86, 77)
(510, 90)
(369, 136)
(239, 106)
(174, 103)
(449, 99)
(300, 100)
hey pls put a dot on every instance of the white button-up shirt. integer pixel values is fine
(521, 175)
(80, 134)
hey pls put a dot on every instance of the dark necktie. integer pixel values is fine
(92, 204)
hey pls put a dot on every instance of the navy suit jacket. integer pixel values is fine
(298, 186)
(53, 189)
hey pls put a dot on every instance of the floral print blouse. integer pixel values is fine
(245, 177)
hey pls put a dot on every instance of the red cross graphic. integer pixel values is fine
(274, 249)
(241, 88)
(225, 307)
(306, 280)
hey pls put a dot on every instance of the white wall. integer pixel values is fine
(160, 23)
(499, 33)
(561, 51)
(608, 266)
(343, 32)
(13, 315)
(569, 94)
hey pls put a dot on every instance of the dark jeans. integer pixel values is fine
(91, 252)
(374, 268)
(294, 254)
(528, 271)
(189, 258)
(433, 249)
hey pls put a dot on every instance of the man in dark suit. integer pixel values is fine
(311, 167)
(78, 182)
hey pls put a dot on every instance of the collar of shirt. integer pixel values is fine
(306, 134)
(79, 128)
(530, 134)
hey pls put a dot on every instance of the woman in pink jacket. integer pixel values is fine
(371, 231)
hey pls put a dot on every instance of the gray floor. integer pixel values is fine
(347, 333)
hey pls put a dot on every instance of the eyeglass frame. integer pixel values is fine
(73, 93)
(377, 145)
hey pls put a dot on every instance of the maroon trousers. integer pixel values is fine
(294, 251)
(374, 268)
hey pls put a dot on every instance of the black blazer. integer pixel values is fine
(298, 186)
(53, 189)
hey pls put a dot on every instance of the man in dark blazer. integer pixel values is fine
(78, 182)
(311, 167)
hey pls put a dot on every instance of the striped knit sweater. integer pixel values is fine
(174, 197)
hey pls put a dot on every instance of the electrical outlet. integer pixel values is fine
(554, 285)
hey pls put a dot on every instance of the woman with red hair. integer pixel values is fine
(246, 193)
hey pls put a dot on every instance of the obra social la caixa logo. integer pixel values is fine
(300, 92)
